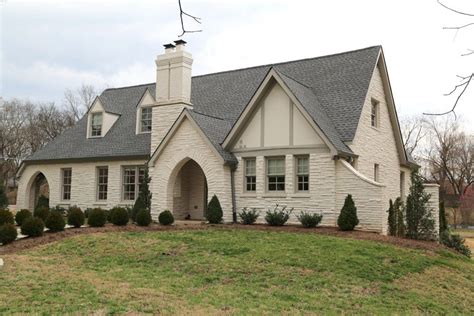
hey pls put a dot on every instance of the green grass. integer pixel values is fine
(233, 271)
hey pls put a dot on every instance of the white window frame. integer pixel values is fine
(376, 172)
(100, 185)
(141, 120)
(299, 173)
(374, 113)
(279, 182)
(250, 178)
(66, 186)
(101, 125)
(136, 181)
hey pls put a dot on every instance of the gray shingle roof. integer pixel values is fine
(331, 88)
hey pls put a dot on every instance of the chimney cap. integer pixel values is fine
(169, 46)
(180, 42)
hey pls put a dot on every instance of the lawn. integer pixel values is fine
(233, 271)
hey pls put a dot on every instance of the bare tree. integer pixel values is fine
(414, 131)
(78, 101)
(182, 14)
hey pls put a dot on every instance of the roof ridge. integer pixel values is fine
(258, 66)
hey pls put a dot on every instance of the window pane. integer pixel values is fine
(302, 165)
(276, 166)
(250, 167)
(102, 183)
(146, 119)
(96, 124)
(66, 184)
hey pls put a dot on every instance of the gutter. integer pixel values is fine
(232, 186)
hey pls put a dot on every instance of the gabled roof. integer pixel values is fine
(331, 88)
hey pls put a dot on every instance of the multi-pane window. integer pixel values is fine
(276, 174)
(96, 124)
(146, 115)
(250, 175)
(374, 113)
(133, 177)
(302, 173)
(376, 172)
(66, 175)
(102, 183)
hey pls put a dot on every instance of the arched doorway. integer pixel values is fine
(189, 192)
(38, 186)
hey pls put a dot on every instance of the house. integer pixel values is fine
(303, 133)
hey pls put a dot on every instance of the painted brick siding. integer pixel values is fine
(186, 144)
(84, 183)
(377, 146)
(320, 198)
(433, 203)
(163, 118)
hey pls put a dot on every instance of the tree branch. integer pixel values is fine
(457, 27)
(181, 14)
(454, 10)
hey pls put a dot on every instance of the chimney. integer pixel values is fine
(173, 74)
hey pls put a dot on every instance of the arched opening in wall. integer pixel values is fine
(189, 192)
(38, 186)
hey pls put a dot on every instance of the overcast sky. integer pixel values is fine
(48, 46)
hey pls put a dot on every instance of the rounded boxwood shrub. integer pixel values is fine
(42, 212)
(143, 217)
(119, 216)
(97, 218)
(6, 217)
(309, 220)
(22, 215)
(214, 211)
(347, 219)
(75, 217)
(166, 218)
(249, 216)
(8, 233)
(33, 227)
(43, 201)
(277, 216)
(55, 222)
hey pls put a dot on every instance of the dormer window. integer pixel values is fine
(145, 120)
(96, 125)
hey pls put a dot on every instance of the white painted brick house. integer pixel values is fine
(303, 133)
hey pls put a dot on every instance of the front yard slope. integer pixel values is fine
(219, 271)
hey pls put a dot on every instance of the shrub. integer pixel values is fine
(277, 216)
(119, 216)
(55, 222)
(347, 219)
(392, 220)
(144, 196)
(396, 222)
(143, 218)
(455, 241)
(43, 201)
(42, 212)
(59, 209)
(309, 220)
(8, 233)
(33, 227)
(87, 212)
(137, 207)
(22, 215)
(419, 217)
(249, 216)
(166, 218)
(75, 217)
(97, 217)
(6, 217)
(108, 215)
(3, 196)
(214, 211)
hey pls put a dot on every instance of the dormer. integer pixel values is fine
(145, 113)
(99, 121)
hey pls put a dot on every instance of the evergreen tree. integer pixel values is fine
(420, 222)
(347, 219)
(43, 202)
(399, 210)
(144, 196)
(214, 211)
(392, 220)
(443, 223)
(3, 196)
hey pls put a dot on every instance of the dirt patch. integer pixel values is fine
(28, 243)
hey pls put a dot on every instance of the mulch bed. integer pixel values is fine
(27, 243)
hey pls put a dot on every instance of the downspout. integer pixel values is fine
(232, 186)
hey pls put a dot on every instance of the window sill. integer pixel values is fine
(301, 195)
(248, 195)
(101, 203)
(275, 195)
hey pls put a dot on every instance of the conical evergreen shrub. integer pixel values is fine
(214, 211)
(419, 218)
(392, 220)
(3, 196)
(347, 219)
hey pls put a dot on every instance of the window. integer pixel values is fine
(402, 185)
(376, 172)
(145, 120)
(132, 179)
(96, 124)
(302, 173)
(102, 183)
(250, 175)
(66, 184)
(374, 115)
(276, 174)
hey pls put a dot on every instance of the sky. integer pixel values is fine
(48, 46)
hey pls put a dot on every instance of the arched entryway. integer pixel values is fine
(189, 192)
(38, 186)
